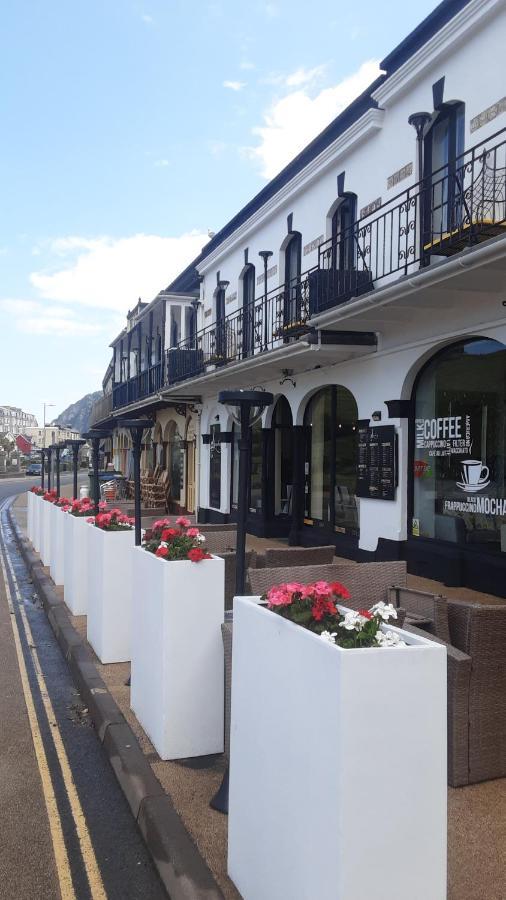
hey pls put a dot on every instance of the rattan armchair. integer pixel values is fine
(275, 557)
(367, 583)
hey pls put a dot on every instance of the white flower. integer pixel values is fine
(389, 639)
(200, 538)
(329, 636)
(384, 610)
(353, 621)
(163, 544)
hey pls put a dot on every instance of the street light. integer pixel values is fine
(57, 449)
(95, 435)
(75, 445)
(245, 407)
(136, 428)
(419, 121)
(266, 255)
(45, 405)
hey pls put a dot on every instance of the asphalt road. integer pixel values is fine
(66, 832)
(11, 486)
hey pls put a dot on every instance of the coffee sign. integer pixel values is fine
(444, 436)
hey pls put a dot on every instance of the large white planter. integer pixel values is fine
(36, 522)
(56, 567)
(337, 765)
(109, 622)
(75, 564)
(46, 532)
(29, 514)
(177, 653)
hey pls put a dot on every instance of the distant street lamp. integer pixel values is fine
(57, 449)
(95, 436)
(136, 427)
(75, 446)
(45, 405)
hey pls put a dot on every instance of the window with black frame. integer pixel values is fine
(459, 447)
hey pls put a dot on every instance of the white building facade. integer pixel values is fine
(15, 420)
(380, 327)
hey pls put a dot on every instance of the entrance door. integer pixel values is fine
(190, 476)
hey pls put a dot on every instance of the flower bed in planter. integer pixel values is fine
(75, 563)
(56, 566)
(110, 544)
(45, 527)
(177, 689)
(337, 763)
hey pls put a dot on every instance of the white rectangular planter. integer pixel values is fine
(29, 514)
(37, 519)
(75, 564)
(57, 544)
(337, 765)
(46, 532)
(177, 690)
(109, 623)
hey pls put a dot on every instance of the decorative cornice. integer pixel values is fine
(466, 20)
(371, 121)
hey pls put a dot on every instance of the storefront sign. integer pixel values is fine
(377, 462)
(444, 436)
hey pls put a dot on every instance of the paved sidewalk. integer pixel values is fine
(476, 814)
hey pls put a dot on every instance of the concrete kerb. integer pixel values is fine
(183, 871)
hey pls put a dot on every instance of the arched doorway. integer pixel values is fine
(457, 504)
(248, 309)
(175, 465)
(331, 437)
(292, 297)
(190, 445)
(283, 458)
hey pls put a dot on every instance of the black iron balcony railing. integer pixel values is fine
(267, 322)
(458, 205)
(139, 386)
(101, 409)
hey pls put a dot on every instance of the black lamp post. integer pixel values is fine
(57, 450)
(136, 428)
(75, 445)
(49, 454)
(95, 435)
(42, 472)
(419, 120)
(245, 408)
(266, 255)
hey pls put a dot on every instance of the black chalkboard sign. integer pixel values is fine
(377, 462)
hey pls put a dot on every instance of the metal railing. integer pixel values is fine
(460, 204)
(265, 323)
(101, 409)
(139, 386)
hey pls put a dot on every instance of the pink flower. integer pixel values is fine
(193, 532)
(91, 520)
(102, 505)
(279, 596)
(160, 523)
(321, 589)
(162, 551)
(183, 522)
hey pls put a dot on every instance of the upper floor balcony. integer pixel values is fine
(457, 206)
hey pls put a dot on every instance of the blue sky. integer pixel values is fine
(129, 129)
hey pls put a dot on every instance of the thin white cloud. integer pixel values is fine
(294, 120)
(271, 10)
(32, 317)
(111, 273)
(217, 148)
(161, 163)
(234, 85)
(246, 65)
(148, 19)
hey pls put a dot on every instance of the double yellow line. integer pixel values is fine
(94, 877)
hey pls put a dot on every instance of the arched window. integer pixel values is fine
(219, 350)
(343, 234)
(443, 170)
(283, 457)
(248, 309)
(459, 446)
(293, 254)
(330, 422)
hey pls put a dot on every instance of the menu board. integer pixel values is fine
(377, 462)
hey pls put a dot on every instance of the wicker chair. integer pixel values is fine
(220, 541)
(367, 583)
(275, 557)
(230, 558)
(420, 606)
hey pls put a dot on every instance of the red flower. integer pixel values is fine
(162, 551)
(169, 533)
(321, 608)
(365, 613)
(197, 554)
(339, 590)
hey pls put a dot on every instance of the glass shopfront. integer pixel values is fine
(215, 467)
(331, 430)
(459, 492)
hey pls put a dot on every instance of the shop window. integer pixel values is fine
(283, 457)
(215, 467)
(459, 447)
(236, 436)
(255, 499)
(331, 433)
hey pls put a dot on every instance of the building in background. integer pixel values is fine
(15, 420)
(51, 434)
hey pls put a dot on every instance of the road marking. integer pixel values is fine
(87, 852)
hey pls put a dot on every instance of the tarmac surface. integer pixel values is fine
(66, 830)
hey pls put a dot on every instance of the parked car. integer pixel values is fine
(34, 468)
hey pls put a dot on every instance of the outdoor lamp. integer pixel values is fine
(266, 255)
(376, 415)
(245, 407)
(95, 435)
(75, 446)
(136, 427)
